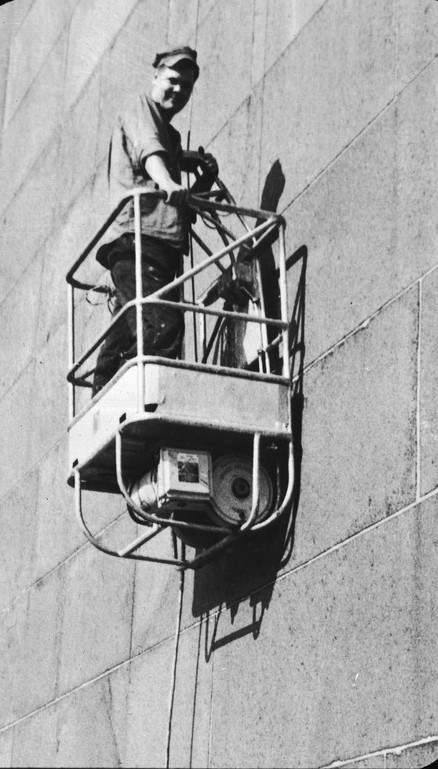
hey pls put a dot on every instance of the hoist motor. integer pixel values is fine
(187, 482)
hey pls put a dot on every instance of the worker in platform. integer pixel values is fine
(145, 151)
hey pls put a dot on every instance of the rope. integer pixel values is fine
(175, 660)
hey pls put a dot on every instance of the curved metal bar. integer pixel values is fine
(138, 308)
(126, 552)
(232, 209)
(137, 192)
(269, 223)
(255, 483)
(200, 309)
(287, 497)
(208, 554)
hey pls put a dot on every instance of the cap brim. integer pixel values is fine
(169, 61)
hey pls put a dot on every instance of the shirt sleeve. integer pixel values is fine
(143, 133)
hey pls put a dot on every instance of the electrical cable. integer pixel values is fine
(175, 656)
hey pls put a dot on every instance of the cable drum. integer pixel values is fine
(232, 490)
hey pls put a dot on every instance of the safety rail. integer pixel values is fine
(268, 226)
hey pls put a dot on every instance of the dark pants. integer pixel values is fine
(163, 327)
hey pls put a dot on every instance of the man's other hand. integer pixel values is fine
(177, 195)
(210, 164)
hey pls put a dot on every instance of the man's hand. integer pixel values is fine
(177, 195)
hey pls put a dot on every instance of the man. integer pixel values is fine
(145, 151)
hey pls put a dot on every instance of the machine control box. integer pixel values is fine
(184, 476)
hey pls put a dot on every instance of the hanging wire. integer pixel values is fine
(175, 652)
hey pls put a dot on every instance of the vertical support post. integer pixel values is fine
(203, 334)
(263, 328)
(71, 349)
(283, 301)
(138, 305)
(195, 329)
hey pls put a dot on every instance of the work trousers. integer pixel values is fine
(163, 327)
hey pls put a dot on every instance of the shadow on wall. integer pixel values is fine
(249, 567)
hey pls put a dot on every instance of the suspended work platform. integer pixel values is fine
(201, 446)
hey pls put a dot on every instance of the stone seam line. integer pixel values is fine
(397, 750)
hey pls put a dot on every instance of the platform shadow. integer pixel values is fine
(247, 570)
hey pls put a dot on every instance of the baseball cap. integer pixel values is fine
(172, 57)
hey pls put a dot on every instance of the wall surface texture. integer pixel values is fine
(322, 656)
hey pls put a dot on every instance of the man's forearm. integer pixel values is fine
(156, 168)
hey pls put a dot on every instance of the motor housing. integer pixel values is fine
(195, 489)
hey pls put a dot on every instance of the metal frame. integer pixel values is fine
(268, 223)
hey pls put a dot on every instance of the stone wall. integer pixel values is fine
(321, 656)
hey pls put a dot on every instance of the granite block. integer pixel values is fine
(19, 319)
(306, 128)
(96, 627)
(224, 50)
(29, 217)
(236, 148)
(49, 396)
(15, 421)
(156, 596)
(35, 677)
(57, 533)
(78, 146)
(34, 122)
(92, 29)
(416, 172)
(127, 64)
(428, 384)
(31, 46)
(6, 744)
(359, 431)
(91, 723)
(12, 634)
(367, 222)
(148, 707)
(181, 23)
(191, 707)
(63, 247)
(17, 545)
(416, 38)
(35, 740)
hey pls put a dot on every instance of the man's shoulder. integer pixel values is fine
(135, 103)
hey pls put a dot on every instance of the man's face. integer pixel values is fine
(172, 88)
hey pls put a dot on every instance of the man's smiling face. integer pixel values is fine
(172, 88)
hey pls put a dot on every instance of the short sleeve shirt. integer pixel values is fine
(141, 131)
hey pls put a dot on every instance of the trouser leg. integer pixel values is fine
(110, 357)
(163, 327)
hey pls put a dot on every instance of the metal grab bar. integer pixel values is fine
(137, 192)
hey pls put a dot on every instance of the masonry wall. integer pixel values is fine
(319, 653)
